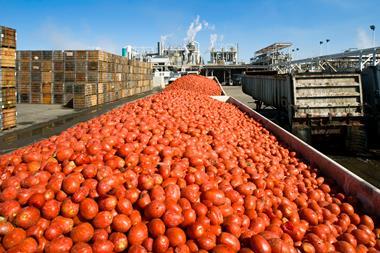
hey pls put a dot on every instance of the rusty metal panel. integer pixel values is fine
(308, 95)
(327, 95)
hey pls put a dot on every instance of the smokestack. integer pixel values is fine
(159, 48)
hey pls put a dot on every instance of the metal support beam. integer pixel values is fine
(357, 59)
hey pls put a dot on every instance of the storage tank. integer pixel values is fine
(124, 52)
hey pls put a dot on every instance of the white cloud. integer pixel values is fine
(63, 38)
(363, 39)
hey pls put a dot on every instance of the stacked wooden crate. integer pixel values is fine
(59, 94)
(7, 78)
(85, 77)
(85, 87)
(36, 82)
(139, 77)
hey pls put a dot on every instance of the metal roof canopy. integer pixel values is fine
(274, 47)
(362, 56)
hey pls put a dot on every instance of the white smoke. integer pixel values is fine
(363, 39)
(208, 26)
(164, 38)
(194, 28)
(213, 40)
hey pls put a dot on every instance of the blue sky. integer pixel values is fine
(110, 25)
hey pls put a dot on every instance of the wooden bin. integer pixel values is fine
(24, 98)
(58, 87)
(47, 66)
(23, 88)
(46, 87)
(9, 118)
(9, 97)
(8, 57)
(23, 77)
(100, 98)
(47, 77)
(58, 76)
(7, 37)
(7, 77)
(58, 98)
(36, 98)
(47, 98)
(81, 102)
(58, 66)
(85, 89)
(36, 88)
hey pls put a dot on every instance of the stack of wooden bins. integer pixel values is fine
(139, 77)
(40, 77)
(59, 95)
(7, 78)
(84, 77)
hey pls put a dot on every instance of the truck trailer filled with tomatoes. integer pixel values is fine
(184, 170)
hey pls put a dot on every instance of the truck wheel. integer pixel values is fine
(356, 139)
(302, 132)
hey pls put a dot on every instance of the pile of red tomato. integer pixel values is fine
(174, 172)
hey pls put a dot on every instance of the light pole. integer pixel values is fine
(320, 48)
(327, 45)
(373, 27)
(294, 52)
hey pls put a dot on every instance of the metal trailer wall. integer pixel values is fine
(371, 87)
(308, 95)
(327, 95)
(371, 94)
(272, 90)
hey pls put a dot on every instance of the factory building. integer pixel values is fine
(224, 56)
